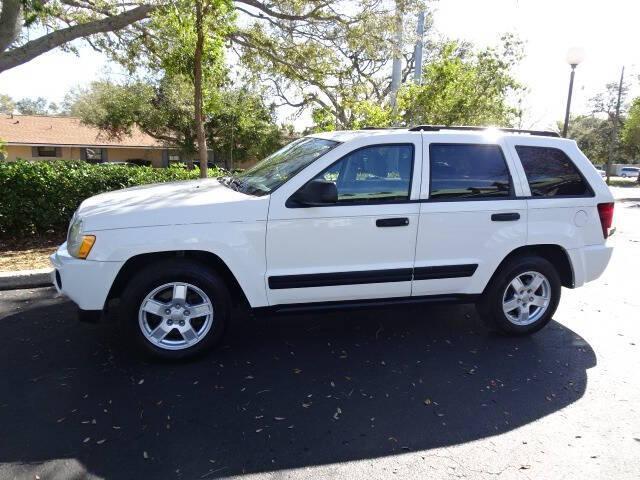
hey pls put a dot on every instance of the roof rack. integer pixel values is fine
(437, 128)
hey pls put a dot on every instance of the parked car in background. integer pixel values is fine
(629, 172)
(602, 173)
(346, 219)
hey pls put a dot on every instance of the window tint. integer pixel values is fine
(468, 171)
(551, 173)
(377, 173)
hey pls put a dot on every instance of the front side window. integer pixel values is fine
(380, 173)
(551, 173)
(466, 171)
(275, 170)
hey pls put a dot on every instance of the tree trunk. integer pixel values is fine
(197, 84)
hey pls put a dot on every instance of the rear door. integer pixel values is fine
(470, 213)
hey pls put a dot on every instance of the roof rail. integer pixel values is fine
(437, 128)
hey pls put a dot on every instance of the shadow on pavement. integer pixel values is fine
(283, 393)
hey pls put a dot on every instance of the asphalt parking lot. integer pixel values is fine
(404, 393)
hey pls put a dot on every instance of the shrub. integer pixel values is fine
(40, 197)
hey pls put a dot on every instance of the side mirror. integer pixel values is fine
(316, 193)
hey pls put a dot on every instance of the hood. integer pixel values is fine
(174, 203)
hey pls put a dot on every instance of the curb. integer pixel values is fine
(25, 279)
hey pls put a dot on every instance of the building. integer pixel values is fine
(36, 137)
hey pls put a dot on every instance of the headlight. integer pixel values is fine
(79, 245)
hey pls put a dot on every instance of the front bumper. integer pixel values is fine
(85, 282)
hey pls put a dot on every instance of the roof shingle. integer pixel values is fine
(52, 130)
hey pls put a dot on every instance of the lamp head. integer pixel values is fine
(575, 56)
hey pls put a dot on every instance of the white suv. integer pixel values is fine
(502, 218)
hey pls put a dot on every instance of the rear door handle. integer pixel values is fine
(392, 222)
(505, 217)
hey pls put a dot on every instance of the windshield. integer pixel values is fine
(264, 177)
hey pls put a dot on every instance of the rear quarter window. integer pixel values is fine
(551, 173)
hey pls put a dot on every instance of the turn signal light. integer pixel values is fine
(86, 246)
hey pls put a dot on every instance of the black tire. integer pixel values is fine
(165, 272)
(490, 305)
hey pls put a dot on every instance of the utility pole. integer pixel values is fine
(614, 130)
(417, 74)
(396, 72)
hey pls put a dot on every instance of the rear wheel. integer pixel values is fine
(176, 309)
(522, 297)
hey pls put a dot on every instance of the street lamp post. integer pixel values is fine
(575, 55)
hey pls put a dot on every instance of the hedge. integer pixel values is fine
(40, 197)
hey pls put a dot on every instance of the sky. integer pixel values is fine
(607, 31)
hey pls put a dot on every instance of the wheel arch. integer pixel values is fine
(554, 253)
(208, 259)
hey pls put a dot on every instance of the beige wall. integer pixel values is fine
(73, 153)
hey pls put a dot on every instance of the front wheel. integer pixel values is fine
(175, 309)
(522, 297)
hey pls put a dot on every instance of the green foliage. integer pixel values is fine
(174, 32)
(241, 127)
(164, 111)
(461, 86)
(39, 197)
(631, 130)
(238, 123)
(7, 105)
(592, 135)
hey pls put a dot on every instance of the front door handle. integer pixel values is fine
(392, 222)
(505, 217)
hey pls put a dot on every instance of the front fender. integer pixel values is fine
(240, 245)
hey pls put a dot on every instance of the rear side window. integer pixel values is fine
(465, 171)
(551, 173)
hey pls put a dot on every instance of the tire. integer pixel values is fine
(175, 309)
(624, 175)
(540, 304)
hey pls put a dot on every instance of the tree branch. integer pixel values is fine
(55, 39)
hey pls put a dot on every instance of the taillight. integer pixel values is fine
(605, 210)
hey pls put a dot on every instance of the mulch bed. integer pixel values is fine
(28, 253)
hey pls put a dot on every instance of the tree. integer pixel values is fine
(592, 134)
(7, 105)
(63, 20)
(631, 131)
(108, 25)
(238, 123)
(33, 106)
(189, 38)
(461, 86)
(339, 69)
(611, 103)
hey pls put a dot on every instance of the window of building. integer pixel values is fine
(47, 152)
(380, 173)
(466, 171)
(551, 173)
(94, 154)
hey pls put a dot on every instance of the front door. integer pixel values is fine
(361, 247)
